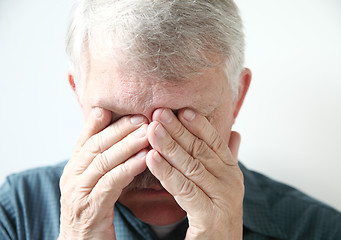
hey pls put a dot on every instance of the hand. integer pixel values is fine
(105, 160)
(196, 166)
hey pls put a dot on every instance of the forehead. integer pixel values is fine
(122, 95)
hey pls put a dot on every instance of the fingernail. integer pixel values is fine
(141, 154)
(137, 119)
(160, 131)
(189, 115)
(97, 112)
(157, 157)
(166, 116)
(141, 132)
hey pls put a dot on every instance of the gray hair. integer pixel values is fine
(165, 39)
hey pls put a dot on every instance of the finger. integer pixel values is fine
(187, 194)
(190, 143)
(103, 140)
(110, 186)
(114, 156)
(234, 144)
(175, 128)
(202, 128)
(190, 167)
(97, 121)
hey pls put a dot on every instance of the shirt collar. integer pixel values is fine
(257, 214)
(127, 226)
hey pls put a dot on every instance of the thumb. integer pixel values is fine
(234, 144)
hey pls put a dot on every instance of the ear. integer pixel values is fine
(74, 88)
(244, 83)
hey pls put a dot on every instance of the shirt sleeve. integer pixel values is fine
(337, 229)
(7, 214)
(29, 204)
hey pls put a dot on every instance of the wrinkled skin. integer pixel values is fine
(178, 131)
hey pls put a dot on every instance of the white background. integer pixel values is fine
(290, 122)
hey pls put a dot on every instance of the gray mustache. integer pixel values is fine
(143, 180)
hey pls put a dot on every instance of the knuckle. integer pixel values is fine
(101, 163)
(125, 147)
(188, 189)
(194, 168)
(116, 128)
(172, 148)
(169, 173)
(124, 175)
(215, 141)
(117, 180)
(190, 147)
(107, 183)
(124, 169)
(199, 147)
(218, 141)
(121, 179)
(94, 144)
(178, 131)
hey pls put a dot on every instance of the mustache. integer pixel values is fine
(144, 180)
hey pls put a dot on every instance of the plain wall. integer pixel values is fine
(290, 121)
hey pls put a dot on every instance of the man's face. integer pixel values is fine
(207, 93)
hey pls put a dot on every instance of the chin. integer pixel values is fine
(153, 206)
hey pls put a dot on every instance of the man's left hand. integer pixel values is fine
(196, 166)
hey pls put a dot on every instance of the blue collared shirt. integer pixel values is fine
(30, 209)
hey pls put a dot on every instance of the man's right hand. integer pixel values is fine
(105, 160)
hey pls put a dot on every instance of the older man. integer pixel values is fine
(160, 84)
